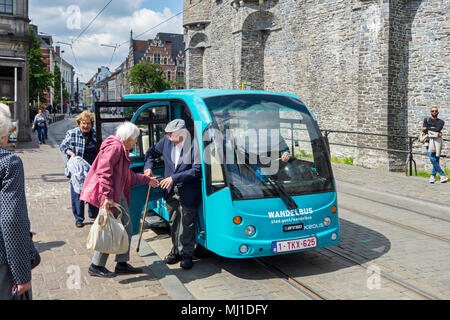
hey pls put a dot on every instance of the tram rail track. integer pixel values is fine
(396, 206)
(398, 224)
(385, 275)
(296, 284)
(314, 295)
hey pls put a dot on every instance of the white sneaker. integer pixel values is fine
(444, 179)
(432, 179)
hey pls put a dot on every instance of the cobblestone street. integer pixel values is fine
(381, 223)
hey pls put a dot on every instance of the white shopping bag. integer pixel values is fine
(108, 234)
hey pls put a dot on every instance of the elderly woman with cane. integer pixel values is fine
(109, 182)
(16, 247)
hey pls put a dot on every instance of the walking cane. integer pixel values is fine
(143, 218)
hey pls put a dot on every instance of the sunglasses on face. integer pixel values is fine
(434, 111)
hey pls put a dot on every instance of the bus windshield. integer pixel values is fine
(268, 146)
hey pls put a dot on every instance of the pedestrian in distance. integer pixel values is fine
(81, 142)
(109, 182)
(433, 126)
(182, 188)
(39, 125)
(16, 247)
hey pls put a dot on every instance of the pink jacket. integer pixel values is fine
(110, 174)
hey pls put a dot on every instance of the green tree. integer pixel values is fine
(39, 78)
(147, 77)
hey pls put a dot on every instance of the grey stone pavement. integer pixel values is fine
(62, 273)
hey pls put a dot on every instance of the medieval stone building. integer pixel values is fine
(372, 66)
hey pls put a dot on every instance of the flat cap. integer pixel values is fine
(175, 125)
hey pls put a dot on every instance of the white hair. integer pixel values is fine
(5, 120)
(127, 130)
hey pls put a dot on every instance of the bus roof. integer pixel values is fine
(201, 93)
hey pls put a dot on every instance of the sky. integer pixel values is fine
(66, 19)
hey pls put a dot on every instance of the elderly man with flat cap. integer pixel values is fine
(182, 184)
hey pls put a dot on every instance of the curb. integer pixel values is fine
(167, 278)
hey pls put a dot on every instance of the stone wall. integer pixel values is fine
(372, 66)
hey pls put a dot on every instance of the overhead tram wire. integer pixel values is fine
(84, 30)
(121, 44)
(168, 19)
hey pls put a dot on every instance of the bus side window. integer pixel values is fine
(214, 158)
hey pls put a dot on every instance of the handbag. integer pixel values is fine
(108, 234)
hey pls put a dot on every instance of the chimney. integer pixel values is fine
(57, 50)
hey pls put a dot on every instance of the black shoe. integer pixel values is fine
(79, 224)
(100, 272)
(172, 258)
(125, 268)
(186, 262)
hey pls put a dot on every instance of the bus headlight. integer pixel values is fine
(327, 221)
(243, 248)
(250, 231)
(334, 236)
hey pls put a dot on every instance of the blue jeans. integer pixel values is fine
(78, 207)
(435, 162)
(41, 133)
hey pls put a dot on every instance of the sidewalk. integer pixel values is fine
(394, 183)
(62, 273)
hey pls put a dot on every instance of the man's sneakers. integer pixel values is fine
(79, 224)
(186, 261)
(444, 179)
(172, 258)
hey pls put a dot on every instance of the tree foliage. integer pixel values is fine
(147, 77)
(39, 78)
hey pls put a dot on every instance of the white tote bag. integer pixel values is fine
(108, 234)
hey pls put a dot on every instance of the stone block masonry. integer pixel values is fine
(369, 66)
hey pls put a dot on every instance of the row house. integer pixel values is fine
(167, 49)
(53, 56)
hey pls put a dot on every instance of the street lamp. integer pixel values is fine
(60, 80)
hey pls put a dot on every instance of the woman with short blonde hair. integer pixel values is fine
(81, 142)
(84, 116)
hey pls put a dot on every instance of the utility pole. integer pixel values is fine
(60, 80)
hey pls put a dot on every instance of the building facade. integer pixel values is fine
(167, 49)
(372, 66)
(15, 44)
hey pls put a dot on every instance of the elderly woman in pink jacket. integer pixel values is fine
(108, 182)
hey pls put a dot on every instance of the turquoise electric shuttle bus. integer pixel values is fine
(267, 183)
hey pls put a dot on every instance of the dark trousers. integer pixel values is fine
(182, 224)
(78, 207)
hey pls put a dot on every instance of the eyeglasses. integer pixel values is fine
(434, 111)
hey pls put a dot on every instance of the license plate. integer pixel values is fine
(294, 244)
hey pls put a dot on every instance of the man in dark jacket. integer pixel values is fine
(182, 184)
(433, 127)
